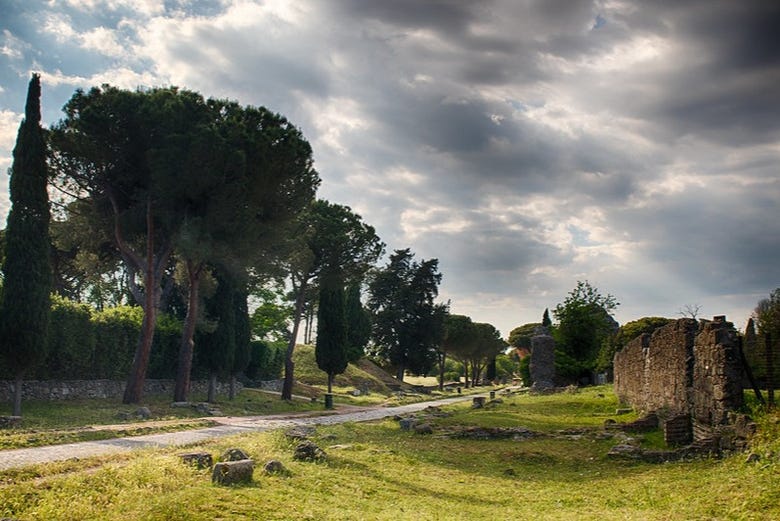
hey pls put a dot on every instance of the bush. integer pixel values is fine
(116, 335)
(165, 349)
(266, 360)
(71, 341)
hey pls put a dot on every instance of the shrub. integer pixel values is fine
(71, 341)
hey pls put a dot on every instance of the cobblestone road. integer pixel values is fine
(230, 425)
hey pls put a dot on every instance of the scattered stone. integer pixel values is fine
(342, 446)
(234, 454)
(329, 437)
(143, 413)
(233, 472)
(10, 422)
(494, 402)
(181, 405)
(478, 402)
(123, 416)
(752, 458)
(274, 467)
(300, 432)
(308, 451)
(646, 423)
(487, 433)
(423, 428)
(355, 392)
(201, 460)
(509, 472)
(407, 423)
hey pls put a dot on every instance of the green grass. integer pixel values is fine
(377, 471)
(69, 421)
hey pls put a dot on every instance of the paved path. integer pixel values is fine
(230, 425)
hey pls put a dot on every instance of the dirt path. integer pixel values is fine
(229, 425)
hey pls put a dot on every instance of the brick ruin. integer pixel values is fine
(689, 373)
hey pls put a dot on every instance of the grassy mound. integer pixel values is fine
(363, 375)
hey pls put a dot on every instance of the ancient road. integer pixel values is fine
(229, 425)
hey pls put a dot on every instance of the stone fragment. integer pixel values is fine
(423, 428)
(300, 432)
(308, 451)
(9, 422)
(201, 460)
(478, 402)
(234, 454)
(233, 472)
(274, 467)
(407, 424)
(143, 413)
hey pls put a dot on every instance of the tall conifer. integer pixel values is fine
(331, 347)
(26, 267)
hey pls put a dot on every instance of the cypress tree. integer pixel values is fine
(358, 324)
(331, 347)
(26, 267)
(546, 322)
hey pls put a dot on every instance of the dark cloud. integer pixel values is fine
(527, 145)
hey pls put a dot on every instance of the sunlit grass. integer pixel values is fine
(377, 471)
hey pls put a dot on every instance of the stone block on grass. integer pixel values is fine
(201, 460)
(233, 472)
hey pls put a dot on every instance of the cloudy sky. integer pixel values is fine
(526, 144)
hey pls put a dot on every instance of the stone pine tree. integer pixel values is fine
(216, 349)
(26, 269)
(331, 347)
(243, 338)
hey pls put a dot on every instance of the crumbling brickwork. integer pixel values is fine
(683, 368)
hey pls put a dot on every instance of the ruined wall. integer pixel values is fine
(683, 368)
(717, 375)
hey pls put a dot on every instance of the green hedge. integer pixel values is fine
(85, 344)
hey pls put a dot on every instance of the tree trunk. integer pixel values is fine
(289, 366)
(399, 373)
(152, 271)
(330, 383)
(135, 382)
(18, 381)
(212, 394)
(232, 387)
(184, 367)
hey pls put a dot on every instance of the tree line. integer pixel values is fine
(200, 209)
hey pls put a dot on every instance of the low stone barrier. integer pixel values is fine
(79, 389)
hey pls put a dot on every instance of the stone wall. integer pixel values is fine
(74, 389)
(683, 368)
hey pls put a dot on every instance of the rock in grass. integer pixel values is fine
(201, 460)
(423, 428)
(274, 467)
(233, 472)
(406, 424)
(308, 451)
(300, 432)
(234, 454)
(143, 413)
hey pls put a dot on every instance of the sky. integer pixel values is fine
(526, 144)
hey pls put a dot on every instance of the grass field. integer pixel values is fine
(377, 471)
